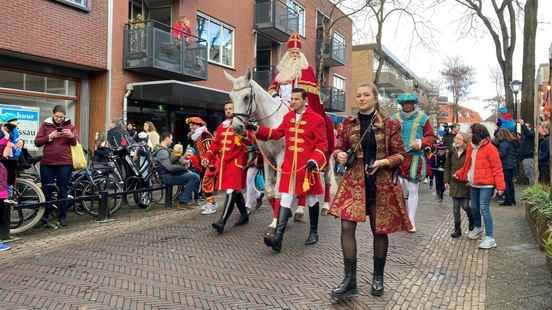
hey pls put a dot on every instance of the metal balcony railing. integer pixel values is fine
(335, 50)
(157, 49)
(275, 19)
(264, 75)
(333, 99)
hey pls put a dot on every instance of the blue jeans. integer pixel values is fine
(481, 205)
(52, 176)
(189, 182)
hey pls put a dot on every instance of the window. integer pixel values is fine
(298, 9)
(339, 82)
(220, 40)
(81, 4)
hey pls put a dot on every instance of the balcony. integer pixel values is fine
(335, 50)
(333, 99)
(155, 49)
(264, 75)
(275, 19)
(391, 82)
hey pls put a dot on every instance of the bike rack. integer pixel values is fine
(103, 209)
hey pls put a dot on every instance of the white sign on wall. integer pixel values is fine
(28, 122)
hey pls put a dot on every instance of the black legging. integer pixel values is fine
(348, 236)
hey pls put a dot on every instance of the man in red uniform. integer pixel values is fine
(229, 152)
(294, 71)
(304, 156)
(202, 139)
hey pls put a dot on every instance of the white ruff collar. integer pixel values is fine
(197, 133)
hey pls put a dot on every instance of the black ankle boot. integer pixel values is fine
(314, 212)
(276, 241)
(240, 203)
(377, 281)
(470, 219)
(348, 286)
(457, 230)
(228, 208)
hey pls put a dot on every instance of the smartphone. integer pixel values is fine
(59, 129)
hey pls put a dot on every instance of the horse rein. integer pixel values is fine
(251, 107)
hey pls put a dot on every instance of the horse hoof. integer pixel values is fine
(299, 217)
(324, 212)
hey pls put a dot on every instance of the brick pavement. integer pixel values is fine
(170, 262)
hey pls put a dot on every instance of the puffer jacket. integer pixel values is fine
(507, 154)
(488, 167)
(58, 151)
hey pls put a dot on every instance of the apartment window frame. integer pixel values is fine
(343, 82)
(223, 26)
(299, 8)
(86, 6)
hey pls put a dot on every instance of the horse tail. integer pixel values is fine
(332, 176)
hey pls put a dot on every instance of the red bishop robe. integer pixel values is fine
(308, 82)
(305, 139)
(230, 154)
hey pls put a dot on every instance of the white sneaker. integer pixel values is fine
(487, 243)
(209, 209)
(475, 233)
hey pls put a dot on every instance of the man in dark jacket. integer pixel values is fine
(527, 143)
(544, 155)
(175, 174)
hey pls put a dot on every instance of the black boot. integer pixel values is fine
(348, 286)
(470, 219)
(228, 208)
(276, 241)
(377, 281)
(457, 230)
(314, 212)
(240, 203)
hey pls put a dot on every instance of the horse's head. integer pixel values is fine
(242, 96)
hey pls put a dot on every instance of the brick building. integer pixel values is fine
(53, 52)
(112, 59)
(465, 115)
(395, 77)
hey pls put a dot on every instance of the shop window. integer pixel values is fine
(35, 83)
(219, 38)
(56, 86)
(10, 79)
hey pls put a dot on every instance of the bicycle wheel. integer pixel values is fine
(157, 196)
(101, 184)
(143, 199)
(23, 218)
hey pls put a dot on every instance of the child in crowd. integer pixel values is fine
(438, 170)
(429, 157)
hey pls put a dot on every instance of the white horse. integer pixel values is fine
(251, 101)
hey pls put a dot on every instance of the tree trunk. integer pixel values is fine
(528, 74)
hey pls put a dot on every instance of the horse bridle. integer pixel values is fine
(251, 107)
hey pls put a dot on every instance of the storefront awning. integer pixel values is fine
(178, 93)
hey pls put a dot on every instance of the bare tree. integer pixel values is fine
(339, 12)
(382, 10)
(499, 17)
(528, 72)
(458, 78)
(494, 103)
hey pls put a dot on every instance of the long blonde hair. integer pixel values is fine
(151, 126)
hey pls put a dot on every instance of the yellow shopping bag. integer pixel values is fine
(77, 154)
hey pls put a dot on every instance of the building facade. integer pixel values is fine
(53, 52)
(394, 78)
(112, 59)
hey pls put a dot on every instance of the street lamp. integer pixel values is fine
(515, 86)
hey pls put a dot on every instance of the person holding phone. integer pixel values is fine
(482, 170)
(371, 148)
(56, 135)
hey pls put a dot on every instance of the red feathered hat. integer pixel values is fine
(294, 41)
(195, 120)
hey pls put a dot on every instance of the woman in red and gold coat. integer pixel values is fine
(304, 157)
(369, 186)
(229, 152)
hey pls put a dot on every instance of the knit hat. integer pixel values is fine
(190, 149)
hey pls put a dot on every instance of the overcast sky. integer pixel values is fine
(478, 51)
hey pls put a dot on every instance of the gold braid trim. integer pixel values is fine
(309, 88)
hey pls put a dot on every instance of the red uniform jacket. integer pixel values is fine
(230, 151)
(304, 140)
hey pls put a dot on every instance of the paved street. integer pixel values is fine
(173, 260)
